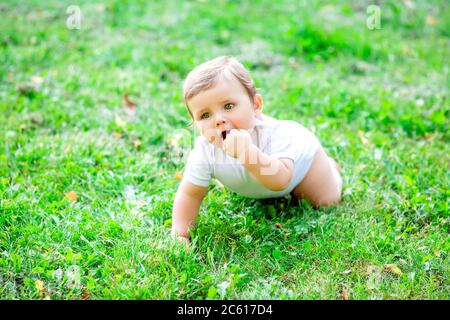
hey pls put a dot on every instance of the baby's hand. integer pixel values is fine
(237, 143)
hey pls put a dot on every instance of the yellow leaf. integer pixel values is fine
(345, 292)
(431, 20)
(117, 135)
(392, 268)
(137, 143)
(120, 122)
(363, 138)
(178, 176)
(40, 286)
(360, 167)
(436, 252)
(72, 196)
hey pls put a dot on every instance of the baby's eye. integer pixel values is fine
(228, 106)
(205, 115)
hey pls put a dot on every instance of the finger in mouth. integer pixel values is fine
(224, 134)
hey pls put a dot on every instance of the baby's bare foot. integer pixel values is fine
(184, 240)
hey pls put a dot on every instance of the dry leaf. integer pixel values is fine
(347, 271)
(431, 20)
(345, 292)
(178, 176)
(364, 140)
(392, 268)
(278, 225)
(42, 290)
(436, 252)
(127, 101)
(72, 196)
(129, 107)
(360, 167)
(120, 122)
(40, 286)
(117, 135)
(137, 143)
(85, 296)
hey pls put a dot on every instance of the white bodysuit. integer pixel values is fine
(279, 138)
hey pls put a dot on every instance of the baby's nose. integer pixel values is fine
(220, 121)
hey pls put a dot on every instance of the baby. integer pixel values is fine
(250, 153)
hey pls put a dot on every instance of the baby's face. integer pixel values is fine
(224, 107)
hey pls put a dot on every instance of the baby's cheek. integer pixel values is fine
(246, 123)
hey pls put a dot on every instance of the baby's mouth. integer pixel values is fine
(224, 134)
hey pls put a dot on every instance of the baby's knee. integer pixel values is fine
(327, 200)
(330, 198)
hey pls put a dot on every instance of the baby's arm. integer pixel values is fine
(273, 173)
(185, 208)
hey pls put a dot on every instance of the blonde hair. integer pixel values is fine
(206, 75)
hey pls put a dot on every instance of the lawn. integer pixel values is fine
(94, 134)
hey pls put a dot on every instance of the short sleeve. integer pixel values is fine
(280, 143)
(198, 169)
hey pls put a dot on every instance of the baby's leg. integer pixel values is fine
(322, 184)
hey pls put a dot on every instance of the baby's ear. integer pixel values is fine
(257, 104)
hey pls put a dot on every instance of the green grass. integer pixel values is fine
(377, 99)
